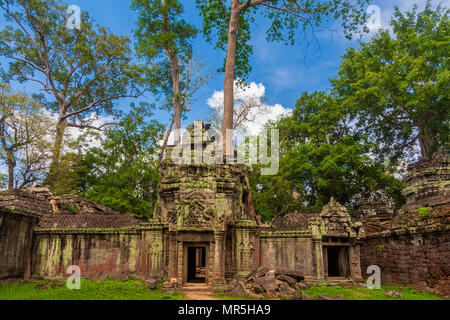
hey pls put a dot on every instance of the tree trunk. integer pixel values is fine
(427, 143)
(166, 139)
(11, 166)
(228, 89)
(176, 98)
(10, 161)
(57, 147)
(175, 72)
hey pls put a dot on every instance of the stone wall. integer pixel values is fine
(116, 254)
(19, 213)
(420, 260)
(413, 248)
(288, 251)
(16, 232)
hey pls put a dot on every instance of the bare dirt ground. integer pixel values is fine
(198, 292)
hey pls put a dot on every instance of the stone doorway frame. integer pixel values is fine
(185, 266)
(344, 254)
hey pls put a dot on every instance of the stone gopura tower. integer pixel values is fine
(205, 213)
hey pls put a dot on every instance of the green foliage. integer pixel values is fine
(24, 149)
(78, 74)
(357, 293)
(88, 68)
(396, 87)
(272, 195)
(3, 180)
(320, 158)
(284, 20)
(66, 175)
(90, 290)
(163, 35)
(122, 172)
(424, 212)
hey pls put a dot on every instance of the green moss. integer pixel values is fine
(380, 250)
(72, 209)
(358, 293)
(90, 290)
(424, 212)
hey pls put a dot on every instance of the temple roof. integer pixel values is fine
(63, 212)
(87, 221)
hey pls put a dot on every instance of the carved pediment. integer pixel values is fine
(335, 220)
(192, 213)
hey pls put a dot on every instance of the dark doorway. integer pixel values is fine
(196, 265)
(338, 264)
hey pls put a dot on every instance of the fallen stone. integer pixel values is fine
(268, 282)
(306, 297)
(239, 290)
(287, 279)
(151, 284)
(298, 276)
(393, 293)
(103, 277)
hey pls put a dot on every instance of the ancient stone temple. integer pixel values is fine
(413, 248)
(205, 230)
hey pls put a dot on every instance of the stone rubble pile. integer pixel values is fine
(271, 284)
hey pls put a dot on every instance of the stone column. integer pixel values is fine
(218, 271)
(355, 262)
(172, 273)
(317, 243)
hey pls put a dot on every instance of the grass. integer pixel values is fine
(90, 290)
(357, 293)
(136, 290)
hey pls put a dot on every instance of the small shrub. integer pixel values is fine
(424, 212)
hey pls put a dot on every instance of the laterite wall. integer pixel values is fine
(419, 260)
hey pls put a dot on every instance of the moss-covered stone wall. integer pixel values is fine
(115, 254)
(16, 232)
(416, 259)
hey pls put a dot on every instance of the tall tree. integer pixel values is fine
(233, 25)
(164, 39)
(80, 72)
(24, 145)
(397, 85)
(322, 157)
(122, 172)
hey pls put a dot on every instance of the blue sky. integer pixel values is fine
(282, 70)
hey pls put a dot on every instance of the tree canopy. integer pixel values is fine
(232, 24)
(322, 157)
(80, 73)
(396, 86)
(164, 40)
(120, 171)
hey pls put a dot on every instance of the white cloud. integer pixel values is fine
(252, 93)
